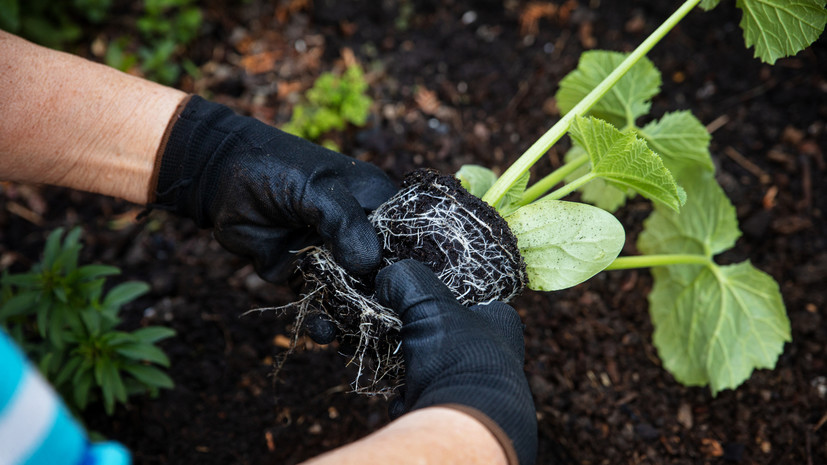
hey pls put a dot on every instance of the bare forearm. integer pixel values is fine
(67, 121)
(433, 435)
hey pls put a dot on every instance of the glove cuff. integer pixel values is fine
(159, 155)
(505, 442)
(189, 153)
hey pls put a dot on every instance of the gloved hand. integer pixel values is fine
(267, 193)
(468, 358)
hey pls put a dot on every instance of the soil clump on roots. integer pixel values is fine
(434, 220)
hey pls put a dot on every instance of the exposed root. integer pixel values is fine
(433, 220)
(466, 243)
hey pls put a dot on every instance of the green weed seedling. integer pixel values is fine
(166, 27)
(61, 317)
(332, 103)
(713, 324)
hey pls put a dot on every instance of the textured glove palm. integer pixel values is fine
(456, 355)
(267, 193)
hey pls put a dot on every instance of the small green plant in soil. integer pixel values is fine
(53, 24)
(60, 315)
(714, 324)
(166, 27)
(332, 103)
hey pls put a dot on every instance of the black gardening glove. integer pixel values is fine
(267, 193)
(470, 359)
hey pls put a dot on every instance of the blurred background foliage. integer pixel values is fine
(153, 47)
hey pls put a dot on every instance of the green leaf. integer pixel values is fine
(88, 272)
(625, 160)
(625, 102)
(20, 304)
(781, 28)
(150, 376)
(718, 324)
(681, 141)
(152, 334)
(24, 280)
(68, 370)
(51, 248)
(713, 324)
(707, 224)
(145, 352)
(81, 388)
(10, 15)
(476, 179)
(565, 243)
(597, 192)
(511, 200)
(112, 378)
(709, 4)
(124, 293)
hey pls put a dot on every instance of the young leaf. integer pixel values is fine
(713, 324)
(597, 192)
(152, 334)
(150, 375)
(565, 243)
(124, 293)
(476, 179)
(18, 305)
(51, 248)
(625, 102)
(141, 351)
(709, 4)
(510, 201)
(625, 160)
(681, 141)
(780, 28)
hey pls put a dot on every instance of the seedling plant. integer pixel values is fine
(714, 324)
(60, 315)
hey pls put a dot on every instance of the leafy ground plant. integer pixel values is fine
(332, 103)
(714, 324)
(61, 317)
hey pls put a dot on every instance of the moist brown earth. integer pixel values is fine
(472, 82)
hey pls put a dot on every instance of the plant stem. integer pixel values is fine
(542, 186)
(541, 146)
(571, 187)
(648, 261)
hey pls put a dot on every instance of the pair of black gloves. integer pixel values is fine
(266, 193)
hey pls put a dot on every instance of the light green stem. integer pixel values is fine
(649, 261)
(552, 179)
(571, 187)
(536, 151)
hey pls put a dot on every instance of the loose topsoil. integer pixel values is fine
(472, 82)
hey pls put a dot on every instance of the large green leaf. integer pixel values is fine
(625, 102)
(681, 141)
(625, 160)
(719, 325)
(780, 28)
(565, 243)
(713, 324)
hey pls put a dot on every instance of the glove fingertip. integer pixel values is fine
(320, 328)
(357, 248)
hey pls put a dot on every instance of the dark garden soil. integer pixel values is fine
(472, 82)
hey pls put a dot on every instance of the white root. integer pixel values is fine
(471, 256)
